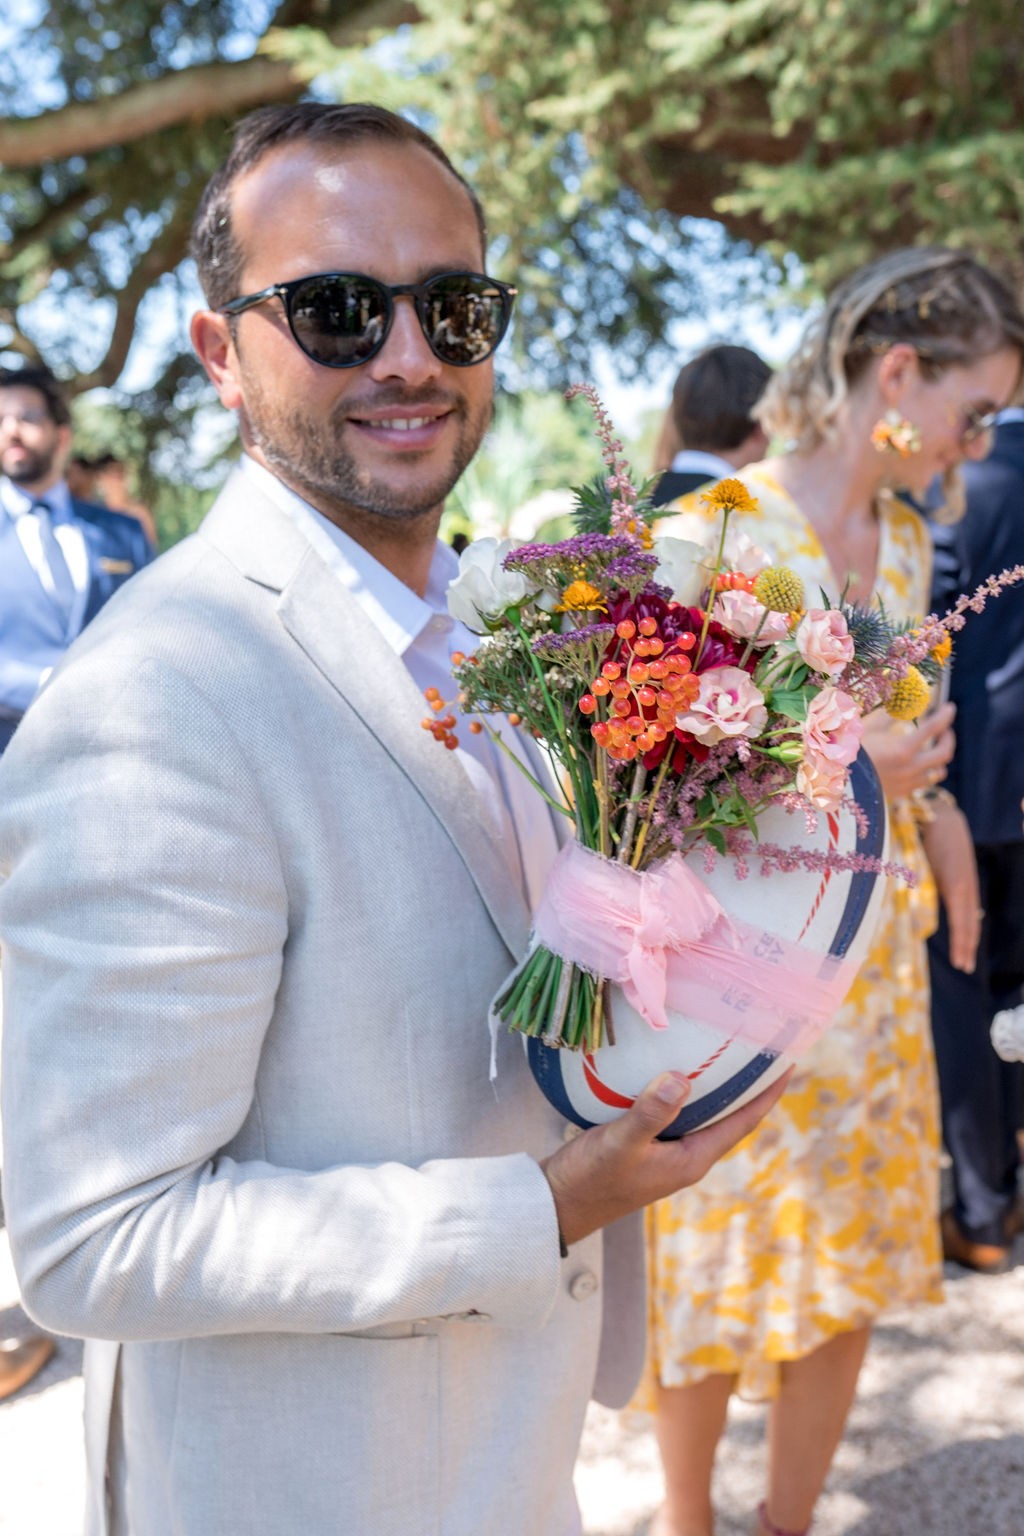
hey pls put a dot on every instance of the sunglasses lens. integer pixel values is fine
(463, 317)
(339, 321)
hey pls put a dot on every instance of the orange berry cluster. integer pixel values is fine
(734, 581)
(440, 726)
(648, 688)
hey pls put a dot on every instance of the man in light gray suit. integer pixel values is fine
(252, 915)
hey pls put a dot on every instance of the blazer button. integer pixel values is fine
(583, 1285)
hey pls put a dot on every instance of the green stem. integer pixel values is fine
(560, 806)
(652, 801)
(553, 1034)
(558, 722)
(639, 774)
(712, 594)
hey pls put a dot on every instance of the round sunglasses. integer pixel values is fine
(342, 319)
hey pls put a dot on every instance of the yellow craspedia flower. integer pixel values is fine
(580, 596)
(909, 697)
(942, 650)
(731, 494)
(779, 588)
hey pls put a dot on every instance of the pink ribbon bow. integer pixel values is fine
(665, 939)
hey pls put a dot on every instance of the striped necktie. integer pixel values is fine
(63, 592)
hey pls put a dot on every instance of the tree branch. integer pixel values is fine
(162, 256)
(207, 90)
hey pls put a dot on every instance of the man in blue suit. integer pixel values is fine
(60, 558)
(981, 1093)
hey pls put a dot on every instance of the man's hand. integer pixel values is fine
(904, 759)
(608, 1171)
(950, 850)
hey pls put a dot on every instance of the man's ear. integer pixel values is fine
(212, 340)
(898, 368)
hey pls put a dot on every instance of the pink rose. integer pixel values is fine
(823, 783)
(728, 705)
(823, 641)
(833, 728)
(740, 613)
(831, 735)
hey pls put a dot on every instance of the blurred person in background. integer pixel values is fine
(767, 1279)
(709, 430)
(980, 1093)
(104, 479)
(61, 558)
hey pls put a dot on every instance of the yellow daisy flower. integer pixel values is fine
(580, 596)
(942, 650)
(731, 494)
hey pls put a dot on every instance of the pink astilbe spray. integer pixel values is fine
(624, 518)
(873, 686)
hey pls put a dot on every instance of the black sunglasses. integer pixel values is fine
(342, 319)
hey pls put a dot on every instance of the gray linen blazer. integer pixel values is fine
(250, 925)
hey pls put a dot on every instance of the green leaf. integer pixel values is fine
(716, 839)
(792, 703)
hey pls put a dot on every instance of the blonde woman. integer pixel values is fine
(766, 1279)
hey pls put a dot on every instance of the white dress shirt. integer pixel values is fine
(425, 635)
(19, 506)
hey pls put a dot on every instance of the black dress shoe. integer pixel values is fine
(20, 1360)
(983, 1258)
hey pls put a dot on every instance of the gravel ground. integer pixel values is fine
(935, 1445)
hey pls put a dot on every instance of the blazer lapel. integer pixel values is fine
(323, 619)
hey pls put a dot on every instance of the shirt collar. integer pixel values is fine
(695, 460)
(398, 612)
(15, 501)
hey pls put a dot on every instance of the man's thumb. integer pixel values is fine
(659, 1104)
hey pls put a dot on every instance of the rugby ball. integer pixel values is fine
(833, 912)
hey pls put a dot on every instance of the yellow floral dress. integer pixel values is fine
(827, 1213)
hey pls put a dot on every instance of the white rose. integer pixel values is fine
(483, 591)
(681, 567)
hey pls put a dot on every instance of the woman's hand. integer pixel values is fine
(950, 851)
(910, 759)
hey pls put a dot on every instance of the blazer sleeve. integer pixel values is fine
(143, 920)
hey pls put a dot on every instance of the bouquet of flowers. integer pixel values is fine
(679, 692)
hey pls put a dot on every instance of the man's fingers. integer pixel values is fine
(964, 920)
(713, 1141)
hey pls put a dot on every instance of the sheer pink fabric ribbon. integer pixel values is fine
(665, 939)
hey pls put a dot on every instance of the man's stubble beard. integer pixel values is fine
(37, 466)
(329, 478)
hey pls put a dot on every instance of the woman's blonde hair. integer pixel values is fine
(942, 302)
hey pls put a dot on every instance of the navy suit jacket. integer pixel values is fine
(675, 483)
(33, 634)
(987, 679)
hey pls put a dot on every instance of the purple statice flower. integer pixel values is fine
(573, 556)
(582, 649)
(634, 569)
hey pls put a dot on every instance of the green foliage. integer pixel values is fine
(537, 443)
(603, 137)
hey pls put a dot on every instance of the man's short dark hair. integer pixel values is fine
(43, 381)
(714, 395)
(219, 258)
